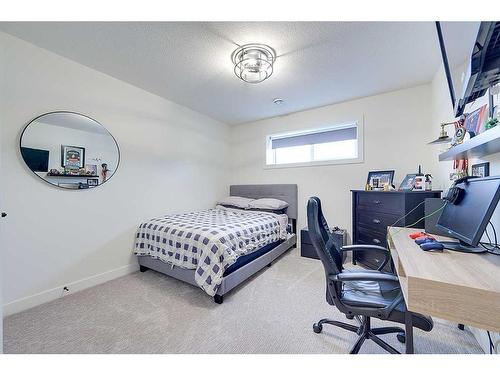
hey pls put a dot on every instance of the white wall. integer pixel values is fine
(442, 111)
(397, 126)
(172, 160)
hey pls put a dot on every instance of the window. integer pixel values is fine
(333, 145)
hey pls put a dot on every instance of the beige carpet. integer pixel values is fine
(273, 312)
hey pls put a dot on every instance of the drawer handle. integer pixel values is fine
(376, 221)
(376, 240)
(376, 202)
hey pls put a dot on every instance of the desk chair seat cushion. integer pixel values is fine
(375, 294)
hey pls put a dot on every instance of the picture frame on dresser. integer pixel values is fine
(408, 182)
(377, 179)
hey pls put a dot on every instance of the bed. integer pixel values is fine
(218, 249)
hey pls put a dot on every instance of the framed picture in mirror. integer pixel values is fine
(72, 157)
(92, 181)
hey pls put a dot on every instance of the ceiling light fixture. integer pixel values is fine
(253, 63)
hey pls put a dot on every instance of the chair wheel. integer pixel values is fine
(317, 328)
(401, 338)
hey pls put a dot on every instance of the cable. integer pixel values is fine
(422, 218)
(489, 245)
(487, 235)
(493, 248)
(413, 209)
(492, 346)
(494, 233)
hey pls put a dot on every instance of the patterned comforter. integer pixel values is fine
(208, 241)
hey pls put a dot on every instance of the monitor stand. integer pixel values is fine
(463, 247)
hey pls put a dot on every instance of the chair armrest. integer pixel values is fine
(363, 276)
(363, 247)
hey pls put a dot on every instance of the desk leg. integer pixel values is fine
(409, 332)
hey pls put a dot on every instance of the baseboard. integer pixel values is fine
(75, 286)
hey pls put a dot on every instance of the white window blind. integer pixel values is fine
(334, 144)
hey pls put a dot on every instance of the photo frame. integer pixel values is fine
(377, 179)
(72, 157)
(92, 182)
(408, 182)
(481, 170)
(91, 169)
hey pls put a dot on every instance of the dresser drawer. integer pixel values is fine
(377, 221)
(368, 236)
(381, 202)
(370, 258)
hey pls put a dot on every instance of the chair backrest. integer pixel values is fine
(320, 236)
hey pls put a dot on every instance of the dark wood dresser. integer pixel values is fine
(374, 211)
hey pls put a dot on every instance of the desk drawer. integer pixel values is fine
(381, 202)
(377, 221)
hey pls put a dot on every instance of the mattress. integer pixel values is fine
(208, 241)
(245, 259)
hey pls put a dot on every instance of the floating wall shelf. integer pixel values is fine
(484, 144)
(71, 175)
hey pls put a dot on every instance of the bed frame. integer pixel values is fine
(285, 192)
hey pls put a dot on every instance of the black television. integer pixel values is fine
(37, 160)
(471, 59)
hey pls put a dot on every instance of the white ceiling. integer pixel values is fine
(189, 63)
(72, 121)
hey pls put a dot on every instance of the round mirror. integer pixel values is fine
(69, 150)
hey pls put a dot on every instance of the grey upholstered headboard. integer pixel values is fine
(285, 192)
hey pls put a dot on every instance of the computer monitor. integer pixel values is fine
(466, 220)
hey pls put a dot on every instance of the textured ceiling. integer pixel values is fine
(72, 121)
(189, 63)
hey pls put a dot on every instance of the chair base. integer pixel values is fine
(364, 332)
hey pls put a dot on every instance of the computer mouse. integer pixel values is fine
(434, 245)
(422, 240)
(416, 235)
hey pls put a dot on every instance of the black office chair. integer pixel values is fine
(362, 294)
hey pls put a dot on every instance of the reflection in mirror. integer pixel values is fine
(69, 150)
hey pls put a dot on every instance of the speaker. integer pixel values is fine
(431, 205)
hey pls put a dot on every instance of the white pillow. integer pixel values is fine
(240, 202)
(268, 204)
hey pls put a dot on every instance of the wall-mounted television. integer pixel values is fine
(471, 59)
(37, 160)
